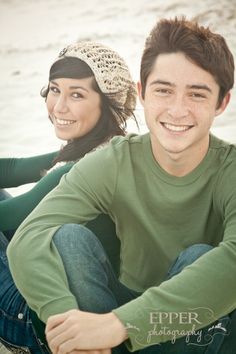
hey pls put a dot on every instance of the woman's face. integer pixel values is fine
(73, 106)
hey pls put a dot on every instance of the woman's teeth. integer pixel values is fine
(64, 122)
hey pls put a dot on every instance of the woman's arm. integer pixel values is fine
(14, 210)
(17, 171)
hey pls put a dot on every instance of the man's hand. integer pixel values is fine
(81, 331)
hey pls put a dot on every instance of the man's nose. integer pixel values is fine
(178, 107)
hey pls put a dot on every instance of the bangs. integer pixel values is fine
(71, 68)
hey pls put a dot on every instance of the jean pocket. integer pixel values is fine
(14, 348)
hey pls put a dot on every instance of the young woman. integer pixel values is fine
(93, 112)
(89, 97)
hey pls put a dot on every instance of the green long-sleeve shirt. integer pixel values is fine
(17, 171)
(157, 216)
(14, 210)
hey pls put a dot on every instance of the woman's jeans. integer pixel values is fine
(16, 330)
(97, 289)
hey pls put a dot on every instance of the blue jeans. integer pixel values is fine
(16, 330)
(78, 243)
(20, 329)
(97, 289)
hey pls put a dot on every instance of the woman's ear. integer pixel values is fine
(224, 104)
(139, 88)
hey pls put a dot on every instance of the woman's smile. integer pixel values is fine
(73, 106)
(63, 122)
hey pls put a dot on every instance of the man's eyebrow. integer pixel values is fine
(199, 87)
(171, 84)
(162, 82)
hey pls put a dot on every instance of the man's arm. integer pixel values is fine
(41, 278)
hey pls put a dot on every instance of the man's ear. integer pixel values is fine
(224, 104)
(139, 88)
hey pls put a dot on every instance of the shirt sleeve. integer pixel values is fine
(14, 210)
(41, 277)
(17, 171)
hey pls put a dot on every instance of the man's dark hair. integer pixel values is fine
(206, 49)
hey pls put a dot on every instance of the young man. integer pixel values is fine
(171, 193)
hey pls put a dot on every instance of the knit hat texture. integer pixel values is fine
(110, 70)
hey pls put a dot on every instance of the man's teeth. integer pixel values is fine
(176, 128)
(64, 122)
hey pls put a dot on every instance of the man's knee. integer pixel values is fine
(192, 253)
(73, 238)
(187, 257)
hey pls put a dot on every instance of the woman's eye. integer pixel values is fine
(54, 89)
(77, 95)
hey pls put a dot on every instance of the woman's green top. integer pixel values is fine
(17, 171)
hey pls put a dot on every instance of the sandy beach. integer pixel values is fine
(34, 32)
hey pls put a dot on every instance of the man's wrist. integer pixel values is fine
(118, 330)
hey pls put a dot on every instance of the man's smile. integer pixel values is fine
(176, 128)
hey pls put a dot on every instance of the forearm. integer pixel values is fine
(17, 171)
(14, 210)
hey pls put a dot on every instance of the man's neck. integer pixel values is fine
(182, 163)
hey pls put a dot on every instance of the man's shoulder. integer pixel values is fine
(216, 142)
(225, 162)
(118, 149)
(225, 149)
(129, 139)
(123, 145)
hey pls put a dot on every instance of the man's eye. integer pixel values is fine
(162, 91)
(197, 95)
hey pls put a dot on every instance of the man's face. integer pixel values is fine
(180, 104)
